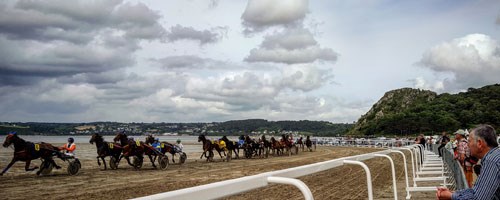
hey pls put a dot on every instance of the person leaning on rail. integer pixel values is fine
(483, 145)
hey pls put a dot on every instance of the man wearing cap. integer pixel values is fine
(483, 145)
(463, 152)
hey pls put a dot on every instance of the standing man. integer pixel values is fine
(483, 145)
(463, 152)
(442, 142)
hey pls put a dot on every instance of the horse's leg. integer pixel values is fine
(54, 163)
(220, 154)
(152, 161)
(234, 150)
(204, 153)
(103, 162)
(173, 156)
(98, 162)
(8, 166)
(27, 166)
(128, 160)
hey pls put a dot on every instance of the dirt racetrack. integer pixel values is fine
(346, 182)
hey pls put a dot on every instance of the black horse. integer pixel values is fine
(232, 146)
(26, 151)
(106, 149)
(309, 143)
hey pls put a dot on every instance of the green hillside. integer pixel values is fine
(410, 111)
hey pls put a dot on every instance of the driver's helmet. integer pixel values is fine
(178, 141)
(157, 139)
(71, 140)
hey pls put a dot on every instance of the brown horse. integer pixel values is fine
(26, 151)
(276, 147)
(301, 143)
(106, 149)
(207, 147)
(134, 148)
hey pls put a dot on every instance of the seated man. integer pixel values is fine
(70, 147)
(178, 147)
(157, 144)
(222, 145)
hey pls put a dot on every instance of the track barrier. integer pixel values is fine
(422, 162)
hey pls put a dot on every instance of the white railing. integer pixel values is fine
(285, 176)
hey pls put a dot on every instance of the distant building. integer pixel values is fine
(85, 128)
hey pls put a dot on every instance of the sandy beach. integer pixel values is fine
(92, 182)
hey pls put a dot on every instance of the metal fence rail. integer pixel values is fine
(285, 176)
(454, 170)
(288, 176)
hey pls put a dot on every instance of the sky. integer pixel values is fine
(220, 60)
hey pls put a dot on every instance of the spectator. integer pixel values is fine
(442, 142)
(483, 145)
(463, 152)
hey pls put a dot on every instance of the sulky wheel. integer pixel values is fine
(73, 167)
(163, 162)
(137, 162)
(183, 158)
(46, 168)
(113, 163)
(248, 153)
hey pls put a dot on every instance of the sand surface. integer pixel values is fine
(92, 182)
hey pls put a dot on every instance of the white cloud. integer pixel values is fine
(421, 83)
(474, 60)
(291, 47)
(179, 32)
(305, 77)
(184, 62)
(260, 14)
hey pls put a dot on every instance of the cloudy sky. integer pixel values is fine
(218, 60)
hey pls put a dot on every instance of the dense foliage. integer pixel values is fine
(317, 128)
(237, 127)
(445, 112)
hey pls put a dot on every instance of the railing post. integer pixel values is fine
(295, 182)
(412, 165)
(368, 176)
(406, 171)
(395, 189)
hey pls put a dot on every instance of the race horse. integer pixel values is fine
(232, 146)
(301, 143)
(287, 144)
(105, 149)
(134, 148)
(165, 147)
(308, 143)
(26, 151)
(207, 148)
(251, 147)
(276, 147)
(266, 145)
